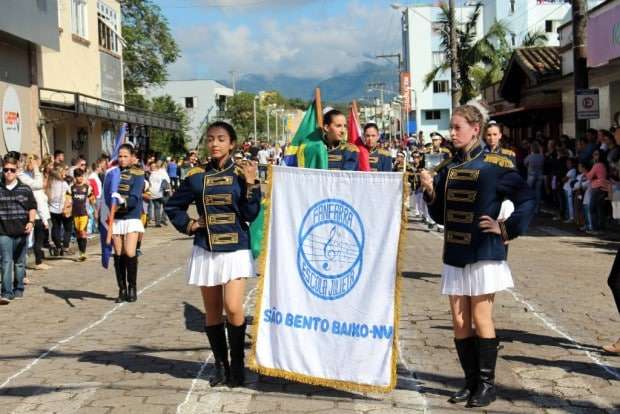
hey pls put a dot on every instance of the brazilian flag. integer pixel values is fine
(305, 150)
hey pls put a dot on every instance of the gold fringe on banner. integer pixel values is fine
(307, 379)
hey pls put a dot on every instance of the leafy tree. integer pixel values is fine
(240, 112)
(165, 141)
(149, 45)
(479, 62)
(534, 39)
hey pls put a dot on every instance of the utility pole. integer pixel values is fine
(233, 75)
(453, 55)
(580, 59)
(268, 131)
(254, 110)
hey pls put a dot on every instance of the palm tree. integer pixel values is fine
(534, 39)
(480, 62)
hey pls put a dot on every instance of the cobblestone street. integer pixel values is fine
(68, 348)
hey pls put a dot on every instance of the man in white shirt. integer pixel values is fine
(159, 184)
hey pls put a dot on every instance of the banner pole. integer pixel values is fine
(319, 107)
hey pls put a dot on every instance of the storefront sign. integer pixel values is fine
(405, 91)
(587, 104)
(12, 123)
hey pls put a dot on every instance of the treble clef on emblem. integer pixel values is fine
(330, 249)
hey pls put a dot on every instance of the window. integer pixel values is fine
(432, 115)
(548, 26)
(189, 102)
(512, 6)
(438, 58)
(107, 24)
(79, 19)
(440, 86)
(513, 39)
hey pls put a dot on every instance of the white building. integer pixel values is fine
(422, 51)
(204, 101)
(523, 16)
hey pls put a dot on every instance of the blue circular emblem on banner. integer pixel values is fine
(330, 249)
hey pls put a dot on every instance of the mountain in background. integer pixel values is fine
(342, 88)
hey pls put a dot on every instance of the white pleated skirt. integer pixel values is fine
(480, 278)
(127, 226)
(207, 268)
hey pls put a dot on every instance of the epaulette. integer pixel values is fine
(137, 171)
(440, 166)
(442, 149)
(195, 170)
(385, 152)
(507, 152)
(499, 159)
(239, 171)
(350, 147)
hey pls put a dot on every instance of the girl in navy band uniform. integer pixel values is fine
(466, 195)
(127, 225)
(227, 198)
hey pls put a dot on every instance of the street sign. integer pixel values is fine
(587, 104)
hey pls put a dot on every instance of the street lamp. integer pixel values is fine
(268, 108)
(400, 7)
(256, 98)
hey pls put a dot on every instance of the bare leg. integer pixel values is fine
(233, 301)
(482, 311)
(212, 299)
(461, 316)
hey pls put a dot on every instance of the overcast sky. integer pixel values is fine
(303, 38)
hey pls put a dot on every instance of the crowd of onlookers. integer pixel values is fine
(579, 180)
(45, 205)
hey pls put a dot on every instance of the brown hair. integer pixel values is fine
(472, 115)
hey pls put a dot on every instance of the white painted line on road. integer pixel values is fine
(551, 325)
(412, 378)
(83, 330)
(194, 406)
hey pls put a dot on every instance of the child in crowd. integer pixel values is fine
(569, 181)
(583, 191)
(81, 195)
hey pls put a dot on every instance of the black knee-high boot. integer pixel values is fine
(487, 357)
(468, 357)
(132, 278)
(217, 339)
(120, 268)
(236, 339)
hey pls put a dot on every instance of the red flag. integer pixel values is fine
(355, 137)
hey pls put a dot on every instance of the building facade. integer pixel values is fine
(25, 28)
(204, 101)
(81, 95)
(430, 107)
(603, 49)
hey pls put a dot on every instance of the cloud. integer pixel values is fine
(305, 47)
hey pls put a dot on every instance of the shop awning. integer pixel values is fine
(73, 102)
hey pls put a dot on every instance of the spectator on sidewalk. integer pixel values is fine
(81, 196)
(33, 177)
(535, 168)
(159, 184)
(18, 209)
(582, 194)
(171, 169)
(567, 188)
(598, 178)
(59, 194)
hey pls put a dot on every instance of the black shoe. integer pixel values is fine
(122, 296)
(132, 276)
(236, 339)
(217, 339)
(487, 357)
(468, 357)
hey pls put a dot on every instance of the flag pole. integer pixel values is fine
(319, 107)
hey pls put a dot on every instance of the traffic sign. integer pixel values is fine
(587, 104)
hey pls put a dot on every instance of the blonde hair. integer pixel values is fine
(472, 115)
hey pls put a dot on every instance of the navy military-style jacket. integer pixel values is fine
(225, 203)
(130, 188)
(503, 151)
(472, 185)
(380, 160)
(343, 157)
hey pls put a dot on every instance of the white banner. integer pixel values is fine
(327, 310)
